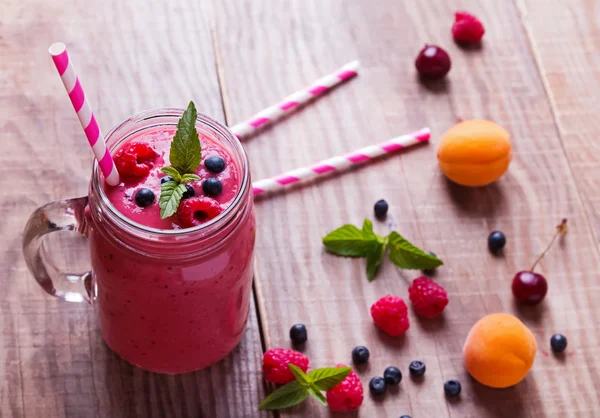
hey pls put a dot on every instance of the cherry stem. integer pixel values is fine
(561, 230)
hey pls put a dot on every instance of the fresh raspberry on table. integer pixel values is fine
(347, 395)
(275, 364)
(135, 160)
(391, 315)
(467, 28)
(428, 298)
(198, 210)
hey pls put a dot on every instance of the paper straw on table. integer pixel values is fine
(273, 113)
(360, 156)
(67, 73)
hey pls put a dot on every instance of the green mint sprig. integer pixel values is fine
(349, 241)
(314, 384)
(185, 156)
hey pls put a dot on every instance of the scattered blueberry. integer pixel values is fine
(452, 388)
(212, 186)
(405, 416)
(377, 386)
(496, 241)
(214, 164)
(165, 179)
(144, 197)
(189, 192)
(392, 375)
(430, 272)
(298, 334)
(381, 208)
(558, 342)
(417, 368)
(360, 354)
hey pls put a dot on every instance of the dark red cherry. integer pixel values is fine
(433, 62)
(529, 287)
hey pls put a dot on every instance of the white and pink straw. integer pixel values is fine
(294, 100)
(67, 73)
(339, 163)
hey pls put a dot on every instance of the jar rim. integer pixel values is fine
(155, 115)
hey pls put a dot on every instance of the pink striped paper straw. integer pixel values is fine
(341, 162)
(291, 102)
(67, 73)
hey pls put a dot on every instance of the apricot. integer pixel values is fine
(475, 153)
(499, 350)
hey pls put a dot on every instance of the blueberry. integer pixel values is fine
(405, 416)
(558, 342)
(377, 386)
(165, 179)
(189, 192)
(298, 334)
(496, 241)
(392, 375)
(417, 368)
(360, 354)
(144, 197)
(452, 388)
(381, 208)
(430, 272)
(214, 164)
(212, 187)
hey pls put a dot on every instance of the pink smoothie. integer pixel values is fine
(183, 307)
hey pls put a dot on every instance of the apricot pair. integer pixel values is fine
(499, 350)
(475, 153)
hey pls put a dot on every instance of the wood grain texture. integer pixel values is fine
(568, 52)
(131, 56)
(284, 45)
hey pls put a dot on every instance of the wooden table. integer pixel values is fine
(537, 74)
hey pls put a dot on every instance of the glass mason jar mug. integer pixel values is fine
(169, 301)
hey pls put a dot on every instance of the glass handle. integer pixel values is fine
(61, 215)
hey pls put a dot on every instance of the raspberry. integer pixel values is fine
(428, 298)
(347, 395)
(275, 364)
(391, 315)
(135, 160)
(198, 210)
(467, 28)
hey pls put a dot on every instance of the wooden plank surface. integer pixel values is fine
(282, 46)
(131, 56)
(568, 51)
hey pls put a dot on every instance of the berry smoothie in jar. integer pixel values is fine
(172, 244)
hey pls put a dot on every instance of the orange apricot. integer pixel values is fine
(475, 152)
(499, 350)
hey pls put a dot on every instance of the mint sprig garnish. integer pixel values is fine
(185, 156)
(313, 384)
(349, 241)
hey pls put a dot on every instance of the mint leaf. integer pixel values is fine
(316, 393)
(374, 259)
(368, 227)
(170, 196)
(300, 376)
(289, 395)
(170, 171)
(349, 241)
(185, 154)
(188, 178)
(328, 377)
(405, 255)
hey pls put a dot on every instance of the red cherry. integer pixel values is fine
(433, 62)
(529, 287)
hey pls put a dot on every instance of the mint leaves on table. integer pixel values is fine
(313, 384)
(185, 156)
(349, 241)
